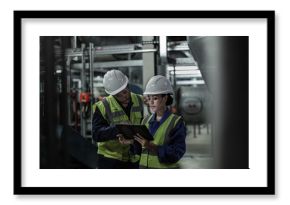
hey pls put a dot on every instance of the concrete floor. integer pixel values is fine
(198, 149)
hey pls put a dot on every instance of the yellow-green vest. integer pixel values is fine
(114, 114)
(161, 137)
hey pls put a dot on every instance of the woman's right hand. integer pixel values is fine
(145, 143)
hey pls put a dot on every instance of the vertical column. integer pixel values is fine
(163, 55)
(64, 155)
(148, 65)
(83, 89)
(148, 61)
(49, 143)
(92, 55)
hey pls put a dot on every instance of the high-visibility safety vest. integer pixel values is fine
(161, 137)
(114, 114)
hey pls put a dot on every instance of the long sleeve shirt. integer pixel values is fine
(176, 147)
(102, 130)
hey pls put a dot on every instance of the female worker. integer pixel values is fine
(168, 130)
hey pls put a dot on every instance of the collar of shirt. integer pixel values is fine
(127, 109)
(154, 124)
(129, 104)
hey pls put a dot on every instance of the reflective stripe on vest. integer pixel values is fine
(114, 114)
(146, 119)
(161, 137)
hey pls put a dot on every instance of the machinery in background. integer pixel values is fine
(194, 104)
(192, 98)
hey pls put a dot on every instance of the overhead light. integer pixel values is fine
(192, 73)
(185, 68)
(190, 82)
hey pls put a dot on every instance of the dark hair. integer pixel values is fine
(169, 100)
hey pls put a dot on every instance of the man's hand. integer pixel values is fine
(124, 141)
(146, 100)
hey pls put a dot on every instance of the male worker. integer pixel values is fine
(121, 106)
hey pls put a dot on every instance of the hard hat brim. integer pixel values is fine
(158, 93)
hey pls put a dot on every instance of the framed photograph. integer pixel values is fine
(219, 64)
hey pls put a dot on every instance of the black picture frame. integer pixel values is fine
(19, 189)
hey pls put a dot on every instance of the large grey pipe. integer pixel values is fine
(223, 61)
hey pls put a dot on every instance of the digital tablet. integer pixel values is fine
(129, 131)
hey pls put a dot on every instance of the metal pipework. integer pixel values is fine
(111, 64)
(110, 50)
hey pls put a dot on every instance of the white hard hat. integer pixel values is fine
(114, 82)
(158, 85)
